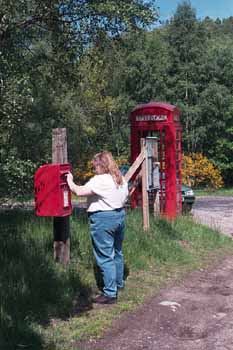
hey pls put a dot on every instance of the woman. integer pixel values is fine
(106, 192)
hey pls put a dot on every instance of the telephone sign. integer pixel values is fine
(144, 118)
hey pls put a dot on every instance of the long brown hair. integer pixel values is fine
(107, 164)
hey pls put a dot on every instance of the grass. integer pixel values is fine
(227, 191)
(46, 306)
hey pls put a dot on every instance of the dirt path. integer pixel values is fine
(195, 315)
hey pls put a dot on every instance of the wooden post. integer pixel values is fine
(141, 160)
(156, 204)
(61, 225)
(138, 161)
(145, 201)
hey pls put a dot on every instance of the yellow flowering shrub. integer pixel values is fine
(83, 173)
(197, 170)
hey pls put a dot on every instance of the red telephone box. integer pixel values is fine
(160, 120)
(52, 194)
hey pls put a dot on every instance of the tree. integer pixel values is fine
(147, 61)
(41, 46)
(79, 22)
(187, 39)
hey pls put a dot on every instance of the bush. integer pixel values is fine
(17, 177)
(197, 170)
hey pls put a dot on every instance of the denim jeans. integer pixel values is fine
(107, 234)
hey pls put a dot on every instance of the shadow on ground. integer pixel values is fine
(33, 289)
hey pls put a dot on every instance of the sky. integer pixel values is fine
(211, 8)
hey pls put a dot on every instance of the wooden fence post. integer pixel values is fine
(141, 161)
(61, 225)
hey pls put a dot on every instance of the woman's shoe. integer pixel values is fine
(103, 299)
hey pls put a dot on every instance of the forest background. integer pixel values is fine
(85, 65)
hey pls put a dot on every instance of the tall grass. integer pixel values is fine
(159, 245)
(226, 191)
(32, 287)
(34, 290)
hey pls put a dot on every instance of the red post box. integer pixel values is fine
(161, 121)
(52, 194)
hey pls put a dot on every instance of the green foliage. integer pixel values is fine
(85, 65)
(147, 66)
(188, 41)
(201, 84)
(41, 46)
(17, 179)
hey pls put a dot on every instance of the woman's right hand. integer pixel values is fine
(69, 178)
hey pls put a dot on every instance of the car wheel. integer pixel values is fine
(186, 208)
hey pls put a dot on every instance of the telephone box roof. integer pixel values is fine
(161, 105)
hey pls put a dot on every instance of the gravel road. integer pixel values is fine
(216, 212)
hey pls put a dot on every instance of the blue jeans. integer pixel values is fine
(107, 234)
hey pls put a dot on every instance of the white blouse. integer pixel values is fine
(107, 195)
